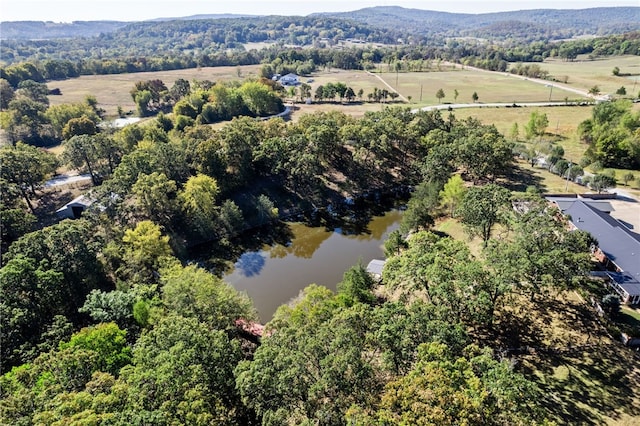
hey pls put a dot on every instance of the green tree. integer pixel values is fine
(25, 121)
(397, 330)
(15, 221)
(145, 251)
(230, 218)
(143, 99)
(445, 389)
(482, 151)
(312, 367)
(475, 97)
(356, 286)
(611, 304)
(265, 209)
(420, 208)
(537, 125)
(394, 244)
(514, 133)
(70, 247)
(453, 193)
(238, 141)
(156, 197)
(622, 91)
(198, 201)
(601, 182)
(543, 254)
(445, 274)
(81, 151)
(110, 306)
(107, 341)
(193, 292)
(32, 295)
(260, 99)
(628, 177)
(180, 89)
(36, 91)
(27, 167)
(182, 373)
(60, 115)
(79, 126)
(6, 94)
(440, 95)
(482, 208)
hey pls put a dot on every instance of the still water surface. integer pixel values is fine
(276, 274)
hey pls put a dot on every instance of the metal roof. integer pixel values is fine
(617, 242)
(564, 203)
(375, 267)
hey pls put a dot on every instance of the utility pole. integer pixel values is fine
(421, 93)
(566, 187)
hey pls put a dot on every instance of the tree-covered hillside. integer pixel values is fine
(416, 23)
(532, 24)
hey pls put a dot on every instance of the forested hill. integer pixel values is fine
(555, 23)
(34, 30)
(546, 24)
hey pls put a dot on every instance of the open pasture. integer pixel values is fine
(113, 90)
(563, 123)
(584, 73)
(490, 87)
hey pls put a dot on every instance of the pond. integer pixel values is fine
(276, 274)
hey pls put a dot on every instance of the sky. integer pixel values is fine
(138, 10)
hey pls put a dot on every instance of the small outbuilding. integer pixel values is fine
(74, 208)
(375, 267)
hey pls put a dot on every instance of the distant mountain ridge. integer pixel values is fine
(559, 22)
(602, 20)
(20, 30)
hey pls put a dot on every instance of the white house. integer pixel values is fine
(289, 80)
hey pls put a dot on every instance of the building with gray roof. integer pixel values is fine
(618, 246)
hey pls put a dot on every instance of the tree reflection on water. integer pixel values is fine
(250, 263)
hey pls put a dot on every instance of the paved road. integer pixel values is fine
(493, 105)
(546, 83)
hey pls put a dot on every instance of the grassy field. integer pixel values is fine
(563, 124)
(112, 91)
(584, 73)
(490, 87)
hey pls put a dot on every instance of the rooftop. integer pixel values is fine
(375, 267)
(617, 241)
